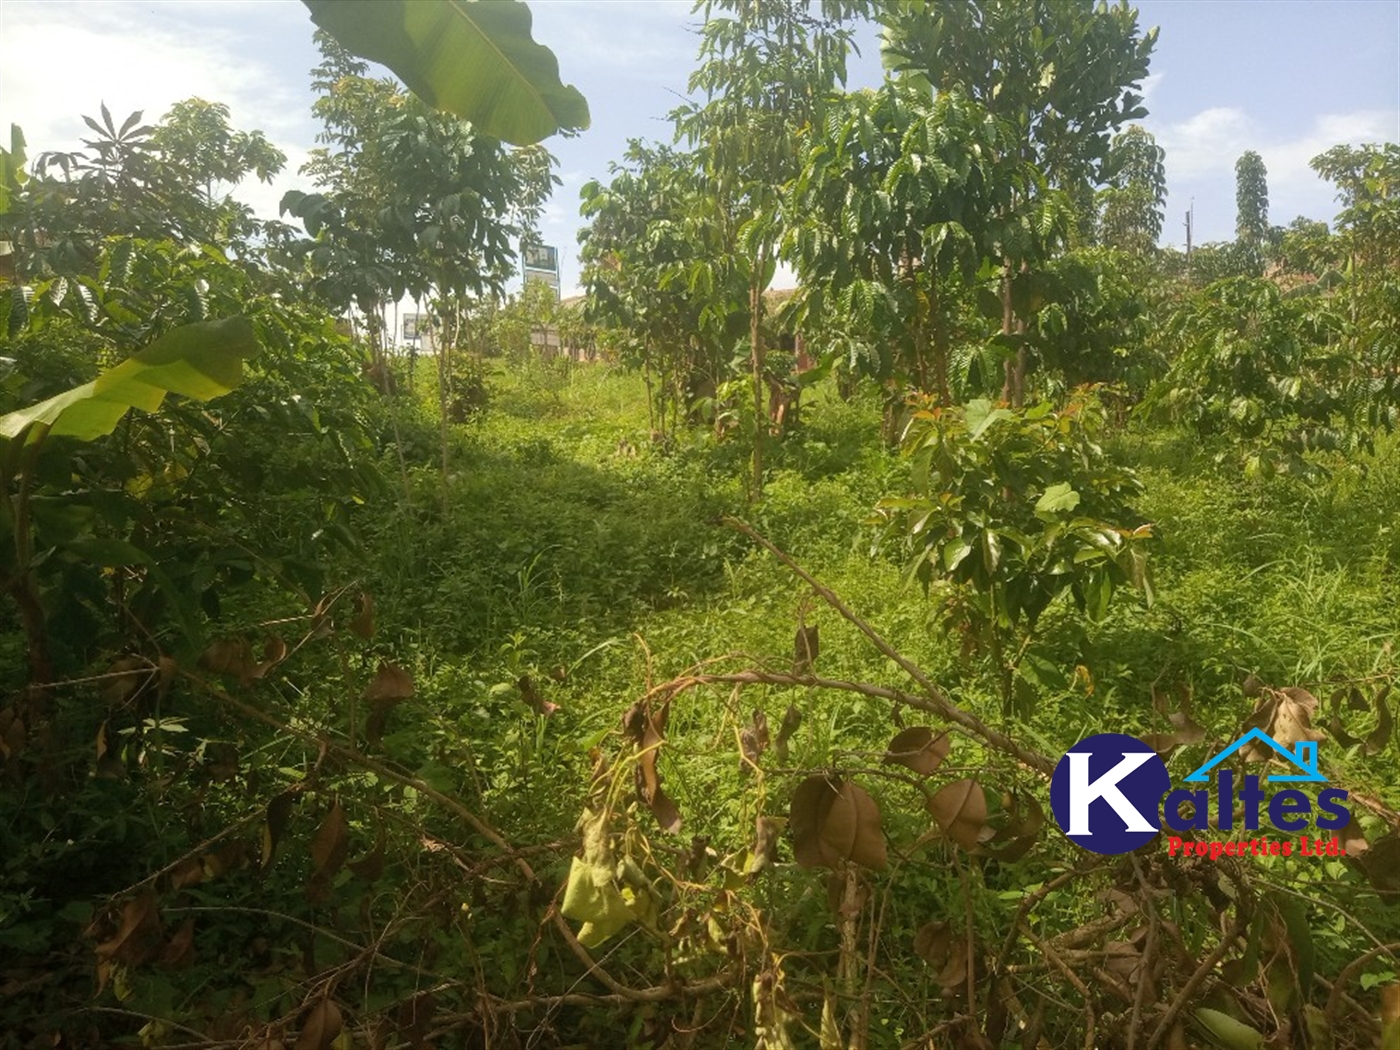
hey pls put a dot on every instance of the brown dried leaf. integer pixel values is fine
(229, 656)
(371, 865)
(939, 945)
(166, 669)
(362, 623)
(1022, 830)
(753, 741)
(12, 733)
(414, 1017)
(792, 720)
(1378, 738)
(320, 1026)
(274, 652)
(179, 950)
(765, 845)
(109, 764)
(1352, 838)
(834, 820)
(918, 749)
(128, 674)
(805, 647)
(331, 843)
(1381, 866)
(648, 777)
(533, 700)
(189, 872)
(139, 934)
(390, 682)
(1334, 724)
(1286, 715)
(960, 810)
(279, 811)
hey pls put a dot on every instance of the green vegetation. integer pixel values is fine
(524, 701)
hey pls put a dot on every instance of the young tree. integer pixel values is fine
(1132, 204)
(765, 65)
(1064, 75)
(936, 175)
(1252, 209)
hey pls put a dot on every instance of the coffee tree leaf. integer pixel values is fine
(917, 748)
(1228, 1032)
(960, 810)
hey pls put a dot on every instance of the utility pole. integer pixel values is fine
(1190, 212)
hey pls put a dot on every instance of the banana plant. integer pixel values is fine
(202, 361)
(474, 59)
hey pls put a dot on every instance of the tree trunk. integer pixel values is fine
(760, 418)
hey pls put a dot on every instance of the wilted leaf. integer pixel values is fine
(274, 652)
(371, 865)
(960, 810)
(329, 848)
(320, 1026)
(1381, 866)
(414, 1016)
(230, 656)
(1229, 1033)
(1378, 738)
(1390, 1014)
(390, 682)
(647, 730)
(362, 623)
(109, 763)
(834, 820)
(591, 897)
(765, 845)
(792, 720)
(138, 936)
(753, 741)
(179, 950)
(945, 949)
(126, 675)
(918, 749)
(189, 872)
(390, 686)
(279, 811)
(533, 700)
(12, 733)
(1021, 831)
(1286, 715)
(805, 647)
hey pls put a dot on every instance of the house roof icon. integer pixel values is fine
(1304, 756)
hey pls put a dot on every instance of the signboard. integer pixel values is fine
(410, 328)
(542, 258)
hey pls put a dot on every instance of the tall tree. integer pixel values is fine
(1251, 208)
(1063, 74)
(1133, 201)
(765, 65)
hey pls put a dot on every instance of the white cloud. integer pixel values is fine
(134, 57)
(1207, 143)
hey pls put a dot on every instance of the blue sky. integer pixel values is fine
(1288, 79)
